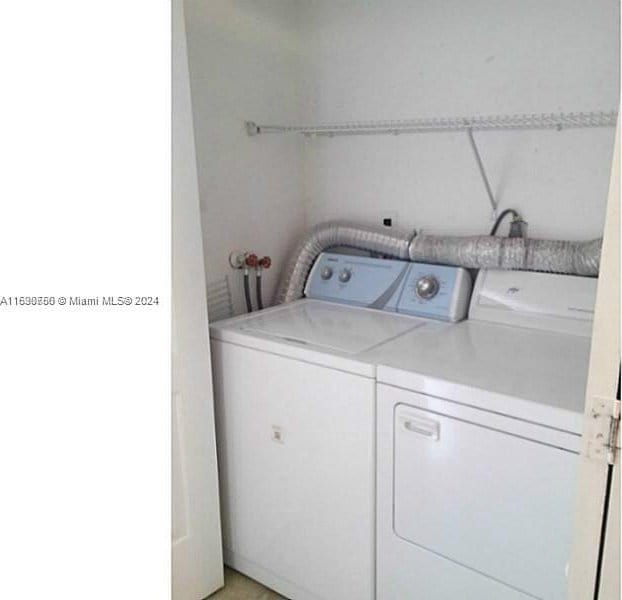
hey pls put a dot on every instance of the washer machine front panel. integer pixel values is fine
(297, 473)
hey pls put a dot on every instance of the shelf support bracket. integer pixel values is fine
(482, 172)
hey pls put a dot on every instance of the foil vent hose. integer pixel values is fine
(489, 252)
(329, 235)
(473, 252)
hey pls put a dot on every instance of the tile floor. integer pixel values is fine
(240, 587)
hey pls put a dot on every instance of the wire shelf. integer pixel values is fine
(558, 121)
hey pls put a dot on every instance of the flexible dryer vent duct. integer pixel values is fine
(489, 252)
(329, 235)
(476, 252)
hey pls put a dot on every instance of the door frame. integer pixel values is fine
(591, 562)
(196, 546)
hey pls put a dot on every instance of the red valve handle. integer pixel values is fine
(252, 261)
(265, 262)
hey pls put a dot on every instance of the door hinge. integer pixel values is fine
(604, 429)
(613, 441)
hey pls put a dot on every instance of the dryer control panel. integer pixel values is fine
(435, 291)
(547, 301)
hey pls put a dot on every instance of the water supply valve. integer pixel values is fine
(251, 261)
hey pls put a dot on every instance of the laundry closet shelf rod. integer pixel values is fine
(558, 121)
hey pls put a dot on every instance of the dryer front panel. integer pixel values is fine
(480, 497)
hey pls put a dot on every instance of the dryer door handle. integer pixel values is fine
(425, 427)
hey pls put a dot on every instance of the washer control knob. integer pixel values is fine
(345, 275)
(326, 273)
(427, 287)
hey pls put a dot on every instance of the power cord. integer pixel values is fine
(517, 226)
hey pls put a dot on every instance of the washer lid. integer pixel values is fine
(330, 326)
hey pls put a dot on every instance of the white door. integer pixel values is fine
(197, 549)
(595, 473)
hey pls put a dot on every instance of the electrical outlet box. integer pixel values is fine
(388, 218)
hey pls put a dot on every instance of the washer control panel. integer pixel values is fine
(435, 291)
(356, 280)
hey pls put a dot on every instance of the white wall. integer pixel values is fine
(395, 59)
(246, 63)
(293, 61)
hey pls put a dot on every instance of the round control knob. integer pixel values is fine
(326, 273)
(427, 287)
(345, 275)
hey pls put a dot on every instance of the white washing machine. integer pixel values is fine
(295, 397)
(479, 430)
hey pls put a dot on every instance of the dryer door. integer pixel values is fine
(484, 498)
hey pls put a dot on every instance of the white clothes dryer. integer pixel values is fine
(479, 430)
